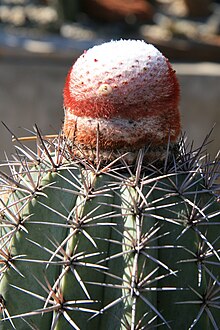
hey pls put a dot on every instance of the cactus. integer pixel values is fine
(114, 223)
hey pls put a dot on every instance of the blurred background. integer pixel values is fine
(40, 39)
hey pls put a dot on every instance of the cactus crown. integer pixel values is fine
(128, 91)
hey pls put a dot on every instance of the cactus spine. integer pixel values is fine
(94, 241)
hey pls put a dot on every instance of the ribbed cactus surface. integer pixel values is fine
(115, 223)
(111, 247)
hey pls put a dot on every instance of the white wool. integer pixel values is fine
(116, 64)
(120, 129)
(125, 51)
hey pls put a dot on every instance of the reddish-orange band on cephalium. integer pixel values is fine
(129, 90)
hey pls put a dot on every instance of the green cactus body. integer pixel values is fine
(117, 247)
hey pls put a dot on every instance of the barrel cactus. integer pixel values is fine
(113, 224)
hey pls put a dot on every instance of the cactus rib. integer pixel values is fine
(109, 243)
